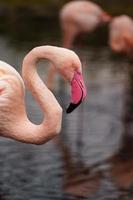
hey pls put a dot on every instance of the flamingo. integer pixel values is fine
(14, 122)
(121, 34)
(80, 16)
(77, 17)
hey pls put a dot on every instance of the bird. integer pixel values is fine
(80, 16)
(14, 123)
(121, 34)
(77, 17)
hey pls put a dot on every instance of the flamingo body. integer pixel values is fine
(80, 16)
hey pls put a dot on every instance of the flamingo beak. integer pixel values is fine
(78, 91)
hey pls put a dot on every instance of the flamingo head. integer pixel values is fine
(69, 66)
(78, 91)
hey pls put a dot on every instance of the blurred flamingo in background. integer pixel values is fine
(121, 34)
(13, 118)
(80, 16)
(77, 17)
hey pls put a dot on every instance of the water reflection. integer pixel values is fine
(92, 158)
(122, 162)
(79, 179)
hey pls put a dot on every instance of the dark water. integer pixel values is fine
(92, 158)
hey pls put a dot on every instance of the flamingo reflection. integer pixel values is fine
(122, 162)
(79, 179)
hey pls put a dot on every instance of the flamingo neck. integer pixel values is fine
(42, 94)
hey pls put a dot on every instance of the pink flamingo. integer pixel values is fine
(80, 16)
(121, 34)
(77, 17)
(13, 118)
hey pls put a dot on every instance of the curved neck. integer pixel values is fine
(42, 94)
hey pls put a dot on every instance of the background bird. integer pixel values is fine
(77, 17)
(80, 16)
(121, 34)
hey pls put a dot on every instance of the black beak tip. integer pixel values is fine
(72, 107)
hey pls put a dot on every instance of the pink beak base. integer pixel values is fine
(78, 91)
(106, 16)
